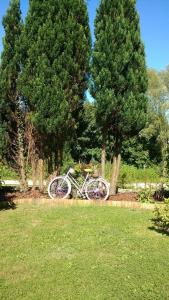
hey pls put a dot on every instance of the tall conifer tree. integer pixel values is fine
(54, 77)
(35, 19)
(10, 97)
(119, 75)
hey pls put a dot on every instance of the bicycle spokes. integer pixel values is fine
(96, 190)
(59, 188)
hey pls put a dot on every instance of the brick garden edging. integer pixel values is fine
(77, 202)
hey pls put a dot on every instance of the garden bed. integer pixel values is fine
(10, 193)
(10, 198)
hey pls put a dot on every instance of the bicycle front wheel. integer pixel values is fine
(59, 187)
(97, 189)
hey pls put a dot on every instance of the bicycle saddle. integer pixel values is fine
(88, 170)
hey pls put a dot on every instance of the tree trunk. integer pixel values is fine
(57, 166)
(50, 165)
(103, 160)
(31, 136)
(118, 167)
(41, 174)
(34, 169)
(22, 171)
(59, 156)
(20, 151)
(115, 174)
(115, 170)
(59, 159)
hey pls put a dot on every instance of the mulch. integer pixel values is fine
(126, 196)
(9, 194)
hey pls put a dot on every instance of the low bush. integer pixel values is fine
(145, 196)
(161, 217)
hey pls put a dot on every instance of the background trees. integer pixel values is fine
(156, 131)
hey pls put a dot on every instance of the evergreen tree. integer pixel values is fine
(56, 62)
(35, 19)
(10, 97)
(119, 75)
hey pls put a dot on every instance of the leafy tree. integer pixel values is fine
(156, 131)
(164, 75)
(10, 98)
(119, 75)
(56, 62)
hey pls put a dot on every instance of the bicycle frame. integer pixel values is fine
(75, 183)
(90, 188)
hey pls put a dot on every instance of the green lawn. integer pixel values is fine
(81, 253)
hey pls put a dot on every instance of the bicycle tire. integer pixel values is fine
(59, 187)
(97, 189)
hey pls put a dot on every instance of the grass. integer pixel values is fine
(7, 173)
(81, 253)
(130, 174)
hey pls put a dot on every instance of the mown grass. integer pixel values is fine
(81, 253)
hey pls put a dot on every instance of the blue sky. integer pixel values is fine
(154, 20)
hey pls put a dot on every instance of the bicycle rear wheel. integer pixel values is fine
(97, 189)
(59, 187)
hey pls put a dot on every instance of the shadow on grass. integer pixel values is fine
(7, 195)
(161, 231)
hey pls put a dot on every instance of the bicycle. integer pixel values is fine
(91, 188)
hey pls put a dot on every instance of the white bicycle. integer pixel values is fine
(92, 189)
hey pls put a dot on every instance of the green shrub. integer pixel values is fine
(145, 196)
(166, 200)
(161, 217)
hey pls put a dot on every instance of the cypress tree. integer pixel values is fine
(10, 97)
(119, 75)
(35, 19)
(55, 68)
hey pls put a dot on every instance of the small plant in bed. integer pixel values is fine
(145, 196)
(161, 217)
